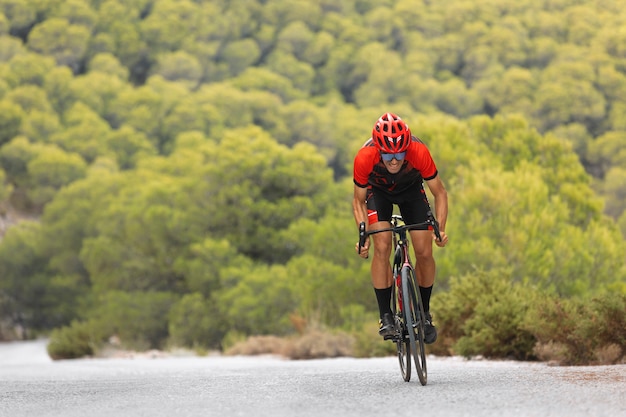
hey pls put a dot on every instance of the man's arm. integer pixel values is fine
(440, 193)
(359, 209)
(359, 206)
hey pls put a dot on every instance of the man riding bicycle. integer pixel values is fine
(391, 168)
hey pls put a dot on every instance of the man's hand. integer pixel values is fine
(444, 239)
(364, 249)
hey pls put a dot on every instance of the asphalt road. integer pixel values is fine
(32, 385)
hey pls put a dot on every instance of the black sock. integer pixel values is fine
(425, 292)
(383, 296)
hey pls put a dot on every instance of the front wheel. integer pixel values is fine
(414, 321)
(404, 352)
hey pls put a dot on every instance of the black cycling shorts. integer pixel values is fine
(413, 205)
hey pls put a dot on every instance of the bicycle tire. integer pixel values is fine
(403, 347)
(404, 355)
(414, 320)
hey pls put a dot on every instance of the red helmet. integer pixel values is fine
(391, 134)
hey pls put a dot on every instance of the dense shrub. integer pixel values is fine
(482, 314)
(367, 342)
(578, 331)
(192, 323)
(77, 340)
(139, 320)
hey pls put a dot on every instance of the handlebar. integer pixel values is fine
(431, 221)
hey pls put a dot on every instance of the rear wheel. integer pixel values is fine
(414, 320)
(404, 356)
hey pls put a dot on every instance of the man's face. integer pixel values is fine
(393, 162)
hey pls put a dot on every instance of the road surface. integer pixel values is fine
(33, 385)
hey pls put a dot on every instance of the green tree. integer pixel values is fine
(77, 12)
(57, 84)
(29, 68)
(179, 66)
(606, 152)
(10, 48)
(128, 146)
(138, 319)
(72, 217)
(205, 264)
(295, 38)
(29, 98)
(567, 94)
(511, 92)
(20, 15)
(318, 49)
(5, 188)
(301, 74)
(118, 32)
(273, 186)
(11, 116)
(239, 55)
(51, 170)
(144, 109)
(140, 235)
(192, 322)
(29, 299)
(14, 159)
(38, 126)
(169, 24)
(100, 92)
(257, 300)
(614, 190)
(83, 132)
(109, 64)
(57, 37)
(256, 78)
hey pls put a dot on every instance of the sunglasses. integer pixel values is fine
(389, 156)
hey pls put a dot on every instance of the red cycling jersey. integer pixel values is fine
(369, 169)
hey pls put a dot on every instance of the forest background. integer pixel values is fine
(178, 173)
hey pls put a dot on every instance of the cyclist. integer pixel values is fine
(391, 168)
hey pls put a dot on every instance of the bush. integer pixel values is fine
(77, 340)
(192, 323)
(313, 344)
(367, 343)
(482, 314)
(317, 344)
(580, 332)
(258, 345)
(138, 319)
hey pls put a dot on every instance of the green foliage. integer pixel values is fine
(580, 331)
(11, 117)
(39, 170)
(57, 37)
(482, 314)
(194, 321)
(77, 340)
(256, 300)
(367, 343)
(5, 187)
(169, 151)
(29, 297)
(138, 319)
(51, 170)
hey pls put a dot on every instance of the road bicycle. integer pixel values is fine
(406, 306)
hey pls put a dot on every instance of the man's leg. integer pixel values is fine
(382, 277)
(425, 275)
